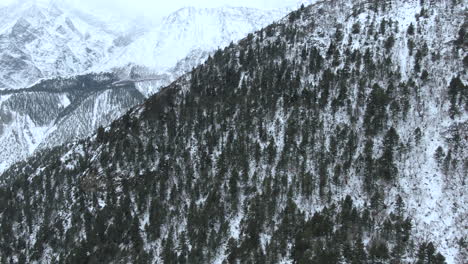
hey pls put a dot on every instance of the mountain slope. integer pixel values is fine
(338, 140)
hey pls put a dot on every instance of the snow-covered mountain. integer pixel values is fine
(41, 40)
(336, 135)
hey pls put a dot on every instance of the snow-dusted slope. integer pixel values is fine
(22, 128)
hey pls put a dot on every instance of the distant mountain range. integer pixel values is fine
(41, 41)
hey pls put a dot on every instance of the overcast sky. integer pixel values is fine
(164, 7)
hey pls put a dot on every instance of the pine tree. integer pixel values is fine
(368, 165)
(439, 155)
(378, 250)
(233, 189)
(168, 253)
(457, 93)
(410, 29)
(387, 169)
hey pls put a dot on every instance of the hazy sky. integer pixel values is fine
(163, 7)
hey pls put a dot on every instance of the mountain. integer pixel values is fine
(60, 45)
(335, 135)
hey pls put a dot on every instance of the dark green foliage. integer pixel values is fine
(100, 135)
(410, 45)
(461, 40)
(386, 167)
(458, 95)
(356, 28)
(376, 113)
(378, 251)
(389, 43)
(410, 29)
(439, 155)
(427, 255)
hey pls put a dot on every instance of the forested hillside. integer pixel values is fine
(336, 135)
